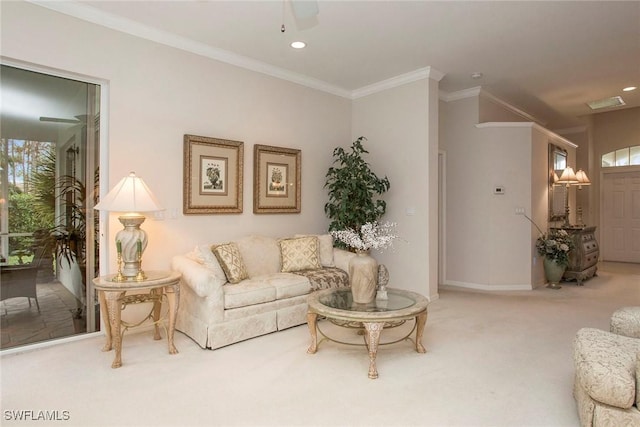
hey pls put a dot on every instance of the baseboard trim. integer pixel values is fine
(485, 287)
(50, 343)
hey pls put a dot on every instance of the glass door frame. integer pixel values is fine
(103, 165)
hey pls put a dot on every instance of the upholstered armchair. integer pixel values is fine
(608, 371)
(626, 321)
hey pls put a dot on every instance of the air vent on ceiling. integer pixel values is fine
(614, 101)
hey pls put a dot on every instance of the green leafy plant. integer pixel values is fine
(42, 183)
(354, 189)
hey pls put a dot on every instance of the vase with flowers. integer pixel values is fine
(554, 247)
(363, 269)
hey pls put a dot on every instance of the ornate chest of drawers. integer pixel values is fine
(583, 259)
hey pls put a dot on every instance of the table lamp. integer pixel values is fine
(583, 179)
(568, 177)
(130, 196)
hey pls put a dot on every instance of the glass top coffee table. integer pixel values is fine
(337, 305)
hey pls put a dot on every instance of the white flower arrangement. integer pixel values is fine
(372, 235)
(555, 245)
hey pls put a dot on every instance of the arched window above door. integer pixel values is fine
(622, 157)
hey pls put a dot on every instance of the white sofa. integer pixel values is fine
(607, 382)
(216, 313)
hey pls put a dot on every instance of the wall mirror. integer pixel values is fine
(557, 192)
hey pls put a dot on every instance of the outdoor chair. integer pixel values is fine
(20, 280)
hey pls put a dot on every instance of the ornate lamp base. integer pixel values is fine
(131, 242)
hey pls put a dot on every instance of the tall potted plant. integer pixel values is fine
(354, 189)
(67, 236)
(354, 208)
(71, 235)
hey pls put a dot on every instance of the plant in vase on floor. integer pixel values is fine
(554, 247)
(355, 191)
(363, 269)
(355, 205)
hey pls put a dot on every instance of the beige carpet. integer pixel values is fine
(494, 359)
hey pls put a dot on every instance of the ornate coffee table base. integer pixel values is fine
(373, 329)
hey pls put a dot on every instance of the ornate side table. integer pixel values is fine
(162, 285)
(583, 259)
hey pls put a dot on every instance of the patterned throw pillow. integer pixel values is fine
(300, 253)
(326, 248)
(231, 262)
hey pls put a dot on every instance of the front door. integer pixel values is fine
(621, 216)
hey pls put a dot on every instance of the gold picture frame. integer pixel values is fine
(212, 175)
(276, 179)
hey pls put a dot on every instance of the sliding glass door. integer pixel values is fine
(49, 143)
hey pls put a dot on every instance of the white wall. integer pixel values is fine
(487, 244)
(158, 94)
(616, 129)
(489, 247)
(399, 125)
(503, 154)
(539, 212)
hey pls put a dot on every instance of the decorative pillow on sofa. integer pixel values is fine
(300, 253)
(326, 248)
(231, 262)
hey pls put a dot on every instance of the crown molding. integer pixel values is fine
(114, 22)
(480, 91)
(460, 94)
(532, 125)
(510, 107)
(90, 14)
(569, 131)
(422, 73)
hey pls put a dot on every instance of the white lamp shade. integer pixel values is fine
(568, 176)
(131, 194)
(582, 178)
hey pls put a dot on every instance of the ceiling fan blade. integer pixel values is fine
(58, 120)
(303, 9)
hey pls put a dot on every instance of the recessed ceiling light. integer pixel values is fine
(614, 101)
(298, 45)
(629, 89)
(476, 76)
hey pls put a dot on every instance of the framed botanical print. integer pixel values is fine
(212, 175)
(276, 179)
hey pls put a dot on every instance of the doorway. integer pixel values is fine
(49, 157)
(621, 215)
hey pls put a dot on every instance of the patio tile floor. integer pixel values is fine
(22, 324)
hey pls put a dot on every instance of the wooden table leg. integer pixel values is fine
(373, 332)
(172, 298)
(421, 321)
(114, 307)
(312, 322)
(157, 306)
